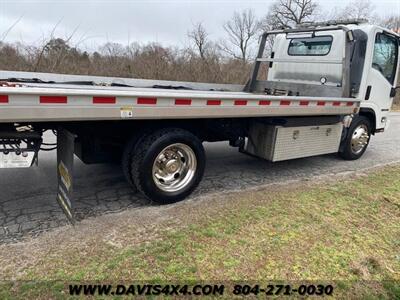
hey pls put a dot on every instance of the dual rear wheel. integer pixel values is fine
(165, 165)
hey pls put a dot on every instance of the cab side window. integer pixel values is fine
(385, 56)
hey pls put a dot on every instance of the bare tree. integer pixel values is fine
(242, 31)
(199, 36)
(44, 47)
(5, 33)
(391, 22)
(289, 13)
(356, 9)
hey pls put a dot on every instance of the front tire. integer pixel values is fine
(357, 139)
(168, 165)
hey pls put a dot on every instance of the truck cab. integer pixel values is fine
(378, 85)
(318, 58)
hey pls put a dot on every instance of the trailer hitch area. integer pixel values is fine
(19, 148)
(65, 164)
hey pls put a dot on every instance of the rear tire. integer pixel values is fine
(126, 161)
(129, 150)
(167, 165)
(357, 139)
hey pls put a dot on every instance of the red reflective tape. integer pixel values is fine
(350, 103)
(151, 101)
(264, 102)
(285, 102)
(240, 102)
(321, 103)
(104, 100)
(53, 99)
(336, 103)
(304, 103)
(183, 101)
(213, 102)
(3, 98)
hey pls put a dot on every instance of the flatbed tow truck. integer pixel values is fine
(329, 87)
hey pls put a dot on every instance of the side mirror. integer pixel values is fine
(393, 91)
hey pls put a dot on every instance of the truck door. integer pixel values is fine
(382, 77)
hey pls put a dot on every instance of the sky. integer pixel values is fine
(95, 22)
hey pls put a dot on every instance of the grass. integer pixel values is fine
(346, 233)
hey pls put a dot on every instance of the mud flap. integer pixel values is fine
(65, 164)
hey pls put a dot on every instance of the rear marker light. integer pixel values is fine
(183, 101)
(285, 102)
(53, 99)
(213, 102)
(264, 102)
(151, 101)
(3, 99)
(104, 100)
(240, 102)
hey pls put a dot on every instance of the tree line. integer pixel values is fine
(227, 60)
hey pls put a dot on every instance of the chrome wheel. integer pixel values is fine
(360, 138)
(174, 167)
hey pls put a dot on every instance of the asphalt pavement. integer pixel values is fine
(28, 196)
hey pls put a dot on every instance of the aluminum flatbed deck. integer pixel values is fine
(51, 102)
